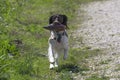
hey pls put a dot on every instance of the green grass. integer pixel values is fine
(105, 61)
(23, 41)
(118, 68)
(96, 77)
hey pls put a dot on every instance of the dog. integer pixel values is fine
(58, 40)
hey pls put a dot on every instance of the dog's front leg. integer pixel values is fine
(56, 59)
(65, 54)
(66, 47)
(51, 55)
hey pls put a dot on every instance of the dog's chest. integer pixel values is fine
(58, 42)
(59, 45)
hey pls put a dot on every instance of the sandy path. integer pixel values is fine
(101, 29)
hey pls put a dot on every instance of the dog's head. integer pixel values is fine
(58, 18)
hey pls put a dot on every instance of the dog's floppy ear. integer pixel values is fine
(65, 19)
(51, 19)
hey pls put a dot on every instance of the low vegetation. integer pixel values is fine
(23, 41)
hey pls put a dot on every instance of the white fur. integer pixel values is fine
(56, 48)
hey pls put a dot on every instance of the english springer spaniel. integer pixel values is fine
(58, 41)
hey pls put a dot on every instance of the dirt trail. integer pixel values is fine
(101, 29)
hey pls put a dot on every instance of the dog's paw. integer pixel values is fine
(56, 64)
(65, 57)
(51, 66)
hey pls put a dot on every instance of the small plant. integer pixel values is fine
(7, 52)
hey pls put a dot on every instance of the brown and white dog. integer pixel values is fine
(58, 41)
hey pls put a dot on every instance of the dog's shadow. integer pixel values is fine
(68, 67)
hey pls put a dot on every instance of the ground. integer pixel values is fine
(100, 29)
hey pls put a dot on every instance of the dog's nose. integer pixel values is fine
(56, 20)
